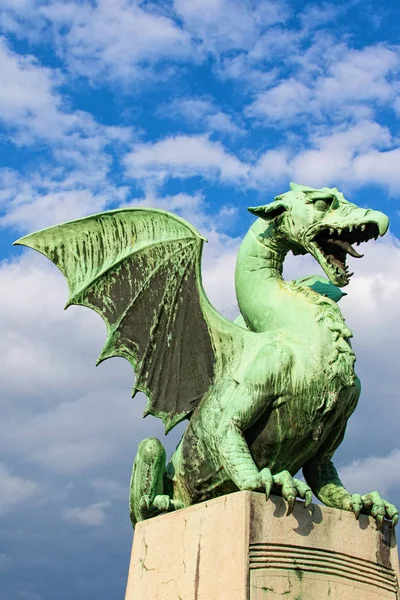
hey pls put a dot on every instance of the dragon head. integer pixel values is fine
(323, 223)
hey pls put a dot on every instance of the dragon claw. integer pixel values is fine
(268, 488)
(159, 504)
(291, 504)
(266, 481)
(356, 505)
(162, 503)
(391, 513)
(303, 491)
(292, 488)
(374, 505)
(145, 503)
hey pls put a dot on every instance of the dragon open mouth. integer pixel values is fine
(334, 244)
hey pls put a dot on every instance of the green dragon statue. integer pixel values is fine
(264, 396)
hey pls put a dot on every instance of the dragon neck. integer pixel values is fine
(265, 299)
(258, 276)
(267, 302)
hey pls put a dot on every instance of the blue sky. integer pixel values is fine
(201, 107)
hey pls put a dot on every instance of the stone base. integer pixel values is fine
(242, 547)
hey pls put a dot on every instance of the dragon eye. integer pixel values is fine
(323, 204)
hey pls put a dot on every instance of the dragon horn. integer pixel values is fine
(268, 211)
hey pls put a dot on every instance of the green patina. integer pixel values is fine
(264, 396)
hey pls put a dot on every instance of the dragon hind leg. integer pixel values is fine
(147, 494)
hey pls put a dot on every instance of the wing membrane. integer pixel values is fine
(140, 270)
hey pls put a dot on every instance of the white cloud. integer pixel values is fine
(204, 115)
(118, 39)
(84, 189)
(241, 67)
(31, 102)
(27, 96)
(375, 473)
(380, 168)
(184, 156)
(220, 121)
(126, 39)
(192, 109)
(283, 102)
(42, 210)
(314, 15)
(334, 154)
(272, 167)
(36, 337)
(353, 156)
(14, 16)
(273, 45)
(17, 4)
(69, 416)
(225, 24)
(78, 181)
(76, 435)
(351, 85)
(14, 490)
(193, 208)
(92, 515)
(361, 75)
(110, 489)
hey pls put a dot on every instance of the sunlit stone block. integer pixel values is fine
(240, 547)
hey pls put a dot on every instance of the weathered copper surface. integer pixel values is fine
(265, 396)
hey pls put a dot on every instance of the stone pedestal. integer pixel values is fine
(242, 547)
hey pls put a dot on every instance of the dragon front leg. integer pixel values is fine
(148, 496)
(239, 464)
(326, 485)
(247, 403)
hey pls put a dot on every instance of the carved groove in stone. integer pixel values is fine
(323, 562)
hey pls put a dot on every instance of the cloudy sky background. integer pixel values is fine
(201, 107)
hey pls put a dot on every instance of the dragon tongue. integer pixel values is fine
(347, 247)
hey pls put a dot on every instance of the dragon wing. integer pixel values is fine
(140, 270)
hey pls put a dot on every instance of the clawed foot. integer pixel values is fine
(160, 504)
(374, 505)
(290, 487)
